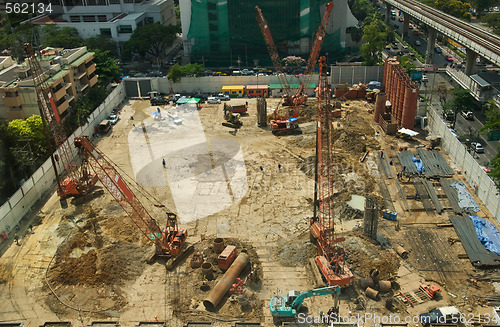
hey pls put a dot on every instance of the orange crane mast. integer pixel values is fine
(79, 181)
(330, 259)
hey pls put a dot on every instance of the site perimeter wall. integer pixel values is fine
(43, 180)
(481, 183)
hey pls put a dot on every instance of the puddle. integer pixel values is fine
(357, 202)
(77, 252)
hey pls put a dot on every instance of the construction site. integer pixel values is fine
(330, 210)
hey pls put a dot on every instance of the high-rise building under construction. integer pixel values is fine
(226, 33)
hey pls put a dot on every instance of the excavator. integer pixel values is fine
(169, 240)
(287, 307)
(231, 118)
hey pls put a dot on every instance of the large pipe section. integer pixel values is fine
(225, 283)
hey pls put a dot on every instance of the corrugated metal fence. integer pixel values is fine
(483, 186)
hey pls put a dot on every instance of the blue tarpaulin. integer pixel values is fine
(418, 164)
(465, 200)
(487, 234)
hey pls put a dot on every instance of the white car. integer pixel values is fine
(113, 119)
(478, 147)
(213, 100)
(424, 78)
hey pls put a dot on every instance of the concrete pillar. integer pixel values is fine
(388, 9)
(406, 24)
(470, 65)
(431, 42)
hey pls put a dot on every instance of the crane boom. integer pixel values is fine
(169, 240)
(273, 52)
(299, 99)
(79, 180)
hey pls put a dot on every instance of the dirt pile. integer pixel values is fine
(111, 264)
(363, 255)
(297, 251)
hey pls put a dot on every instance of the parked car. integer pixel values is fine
(395, 45)
(478, 147)
(213, 100)
(223, 97)
(113, 119)
(401, 19)
(438, 50)
(468, 115)
(448, 58)
(418, 43)
(247, 72)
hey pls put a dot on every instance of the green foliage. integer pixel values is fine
(482, 5)
(29, 143)
(106, 66)
(57, 37)
(407, 63)
(356, 34)
(177, 72)
(374, 38)
(462, 100)
(103, 44)
(493, 115)
(455, 8)
(361, 9)
(150, 39)
(492, 20)
(14, 39)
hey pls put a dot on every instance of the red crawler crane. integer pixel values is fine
(330, 260)
(78, 181)
(168, 241)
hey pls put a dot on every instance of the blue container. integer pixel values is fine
(390, 215)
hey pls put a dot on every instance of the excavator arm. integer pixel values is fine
(297, 303)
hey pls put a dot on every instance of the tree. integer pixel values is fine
(103, 44)
(482, 5)
(57, 37)
(150, 39)
(374, 38)
(461, 100)
(407, 63)
(493, 118)
(293, 62)
(362, 9)
(492, 20)
(455, 8)
(106, 66)
(177, 72)
(29, 143)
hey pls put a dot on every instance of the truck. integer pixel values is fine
(444, 315)
(287, 307)
(103, 127)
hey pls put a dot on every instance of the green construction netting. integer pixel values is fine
(226, 33)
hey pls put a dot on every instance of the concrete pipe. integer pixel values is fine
(384, 286)
(225, 283)
(207, 270)
(401, 251)
(366, 282)
(371, 293)
(374, 274)
(218, 245)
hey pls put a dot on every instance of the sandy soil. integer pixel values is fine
(86, 260)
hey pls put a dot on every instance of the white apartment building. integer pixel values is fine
(114, 18)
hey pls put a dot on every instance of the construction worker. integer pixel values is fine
(30, 227)
(16, 238)
(416, 196)
(279, 166)
(163, 162)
